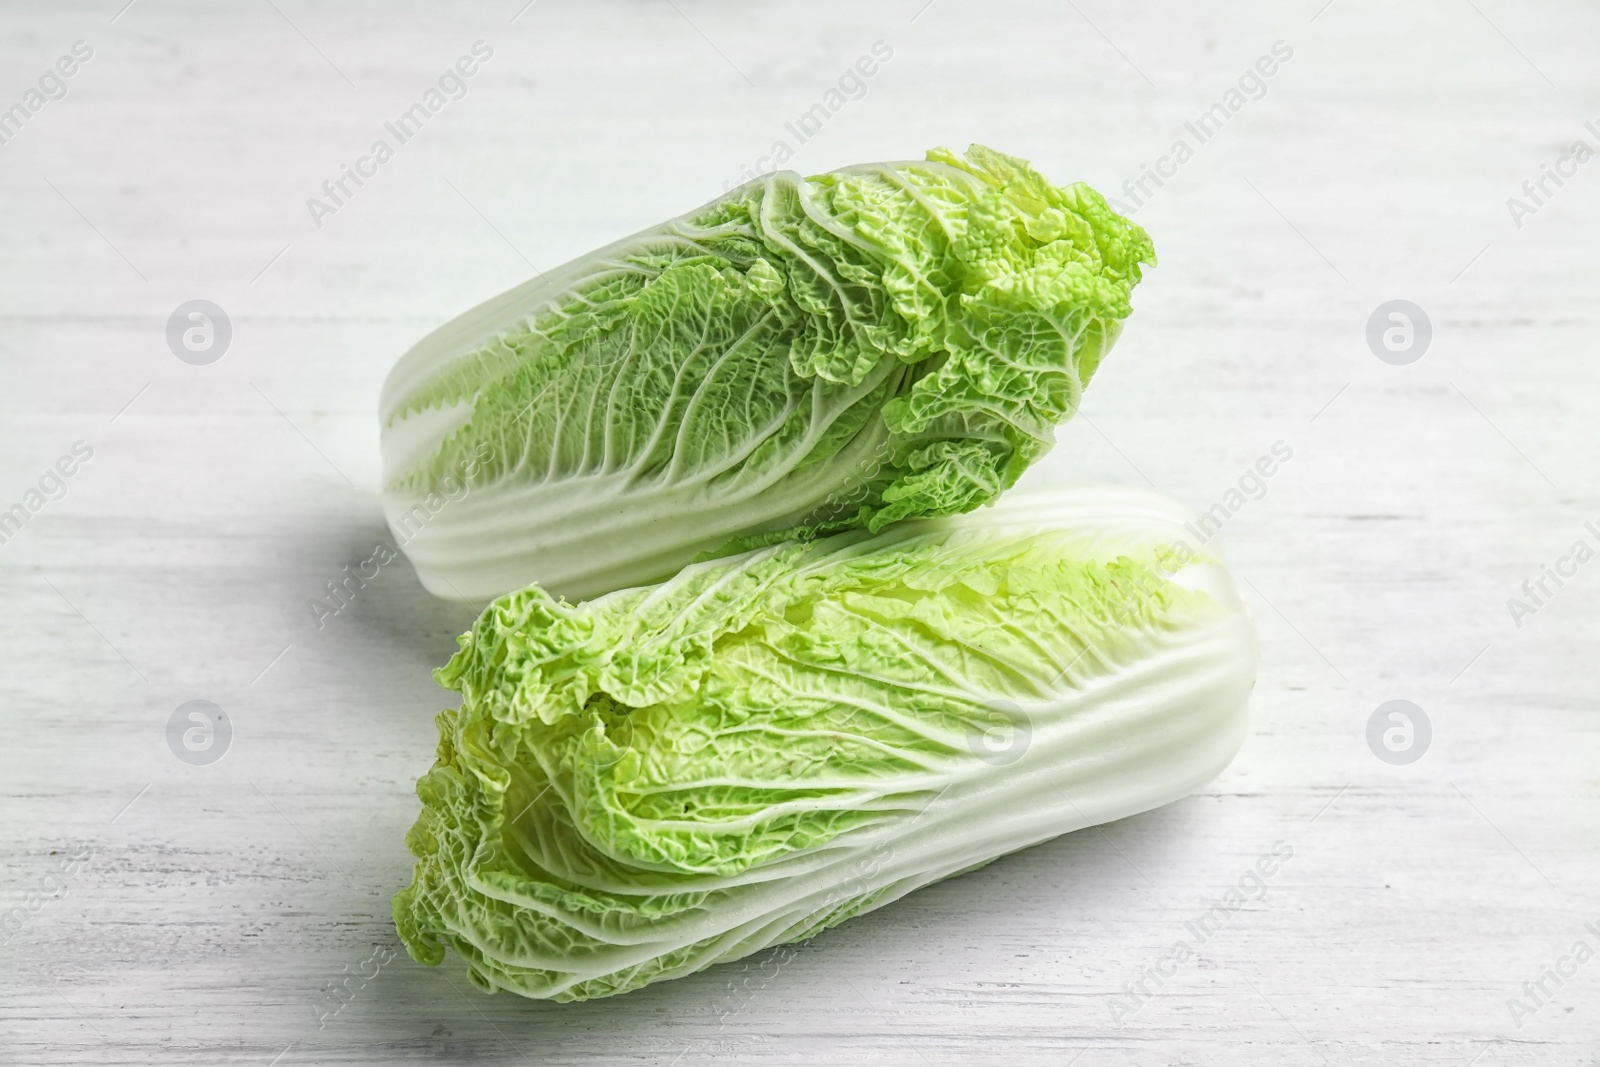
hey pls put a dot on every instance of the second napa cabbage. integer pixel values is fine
(798, 357)
(645, 784)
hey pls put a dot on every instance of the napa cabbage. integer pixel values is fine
(656, 780)
(800, 356)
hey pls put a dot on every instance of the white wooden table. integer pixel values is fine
(176, 913)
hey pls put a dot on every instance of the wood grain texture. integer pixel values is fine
(208, 906)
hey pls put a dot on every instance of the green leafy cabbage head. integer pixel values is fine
(799, 357)
(650, 782)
